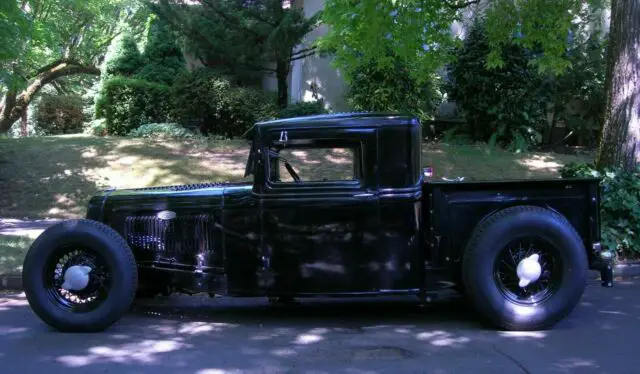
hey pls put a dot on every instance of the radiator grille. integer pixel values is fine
(182, 235)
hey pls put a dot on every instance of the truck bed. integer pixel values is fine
(451, 210)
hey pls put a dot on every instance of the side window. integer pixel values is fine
(314, 163)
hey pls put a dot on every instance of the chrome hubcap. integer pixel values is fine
(76, 278)
(529, 270)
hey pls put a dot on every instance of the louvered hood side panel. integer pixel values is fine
(187, 241)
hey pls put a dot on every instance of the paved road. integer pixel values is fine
(211, 336)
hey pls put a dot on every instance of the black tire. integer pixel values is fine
(115, 282)
(485, 279)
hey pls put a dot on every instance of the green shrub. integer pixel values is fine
(503, 106)
(59, 114)
(620, 208)
(96, 127)
(127, 103)
(122, 58)
(392, 89)
(302, 108)
(216, 106)
(163, 59)
(162, 130)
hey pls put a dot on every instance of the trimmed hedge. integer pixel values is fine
(127, 103)
(216, 106)
(59, 114)
(162, 130)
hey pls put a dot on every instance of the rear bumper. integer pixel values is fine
(602, 260)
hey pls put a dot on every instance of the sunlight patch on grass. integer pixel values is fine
(540, 162)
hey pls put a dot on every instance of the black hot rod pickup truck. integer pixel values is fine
(339, 205)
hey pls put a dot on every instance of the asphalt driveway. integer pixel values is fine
(207, 336)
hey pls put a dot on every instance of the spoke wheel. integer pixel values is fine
(506, 276)
(80, 276)
(553, 268)
(88, 298)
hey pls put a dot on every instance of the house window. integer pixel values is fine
(313, 164)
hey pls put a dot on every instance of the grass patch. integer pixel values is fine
(53, 177)
(13, 248)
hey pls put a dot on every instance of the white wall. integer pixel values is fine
(313, 77)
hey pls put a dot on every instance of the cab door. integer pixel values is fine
(320, 214)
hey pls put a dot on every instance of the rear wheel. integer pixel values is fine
(80, 275)
(525, 268)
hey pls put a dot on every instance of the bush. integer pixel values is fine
(59, 114)
(162, 130)
(620, 208)
(96, 127)
(127, 103)
(303, 109)
(503, 106)
(392, 89)
(217, 107)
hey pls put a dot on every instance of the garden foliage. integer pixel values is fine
(620, 208)
(515, 105)
(208, 100)
(59, 114)
(127, 103)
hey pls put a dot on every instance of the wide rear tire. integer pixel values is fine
(490, 261)
(112, 282)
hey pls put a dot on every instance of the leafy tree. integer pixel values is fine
(419, 31)
(505, 105)
(56, 39)
(241, 37)
(392, 89)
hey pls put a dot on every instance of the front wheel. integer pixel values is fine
(80, 276)
(525, 268)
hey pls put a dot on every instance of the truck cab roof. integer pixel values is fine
(351, 119)
(388, 145)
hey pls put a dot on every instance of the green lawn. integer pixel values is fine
(53, 177)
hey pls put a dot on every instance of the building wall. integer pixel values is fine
(314, 78)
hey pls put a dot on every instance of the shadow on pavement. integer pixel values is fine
(206, 336)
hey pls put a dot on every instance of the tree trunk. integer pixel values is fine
(14, 105)
(282, 74)
(8, 103)
(23, 123)
(620, 139)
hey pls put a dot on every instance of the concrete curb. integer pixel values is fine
(13, 282)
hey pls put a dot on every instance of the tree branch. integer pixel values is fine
(303, 51)
(15, 105)
(461, 5)
(51, 66)
(302, 56)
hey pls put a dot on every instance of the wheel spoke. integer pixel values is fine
(95, 291)
(506, 271)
